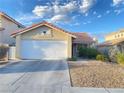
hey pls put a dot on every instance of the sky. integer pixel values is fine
(96, 17)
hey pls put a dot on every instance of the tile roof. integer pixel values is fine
(82, 38)
(111, 43)
(106, 43)
(11, 19)
(37, 25)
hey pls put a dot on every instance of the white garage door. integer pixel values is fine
(34, 49)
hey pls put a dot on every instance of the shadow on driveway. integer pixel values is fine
(34, 66)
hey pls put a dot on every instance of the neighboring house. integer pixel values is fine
(8, 25)
(115, 35)
(45, 41)
(113, 40)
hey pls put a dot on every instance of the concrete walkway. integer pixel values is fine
(41, 77)
(32, 76)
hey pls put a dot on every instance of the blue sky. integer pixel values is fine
(96, 17)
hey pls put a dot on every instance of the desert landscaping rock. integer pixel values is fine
(97, 74)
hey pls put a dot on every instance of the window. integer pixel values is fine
(122, 34)
(118, 35)
(44, 32)
(19, 26)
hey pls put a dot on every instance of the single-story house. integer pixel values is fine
(47, 41)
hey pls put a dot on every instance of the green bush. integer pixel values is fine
(82, 51)
(101, 57)
(72, 59)
(92, 53)
(120, 58)
(3, 52)
(87, 52)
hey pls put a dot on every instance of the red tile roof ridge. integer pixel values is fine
(43, 22)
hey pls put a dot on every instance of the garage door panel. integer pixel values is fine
(32, 49)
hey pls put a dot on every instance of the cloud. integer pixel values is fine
(66, 8)
(86, 5)
(84, 23)
(21, 3)
(108, 11)
(55, 11)
(88, 22)
(75, 17)
(86, 14)
(99, 16)
(94, 13)
(117, 12)
(76, 24)
(41, 11)
(26, 19)
(60, 18)
(117, 2)
(55, 8)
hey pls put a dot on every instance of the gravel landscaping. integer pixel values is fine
(96, 74)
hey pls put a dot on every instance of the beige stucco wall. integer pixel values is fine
(115, 35)
(110, 37)
(0, 21)
(10, 27)
(1, 31)
(37, 34)
(18, 40)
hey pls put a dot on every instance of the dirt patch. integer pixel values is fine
(97, 74)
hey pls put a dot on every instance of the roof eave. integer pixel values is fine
(31, 28)
(10, 18)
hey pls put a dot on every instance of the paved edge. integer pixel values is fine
(70, 74)
(91, 90)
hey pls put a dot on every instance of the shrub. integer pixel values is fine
(72, 59)
(120, 58)
(87, 52)
(82, 51)
(100, 57)
(113, 51)
(92, 52)
(3, 52)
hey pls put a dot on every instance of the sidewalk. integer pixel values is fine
(91, 90)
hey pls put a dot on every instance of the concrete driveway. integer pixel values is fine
(34, 77)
